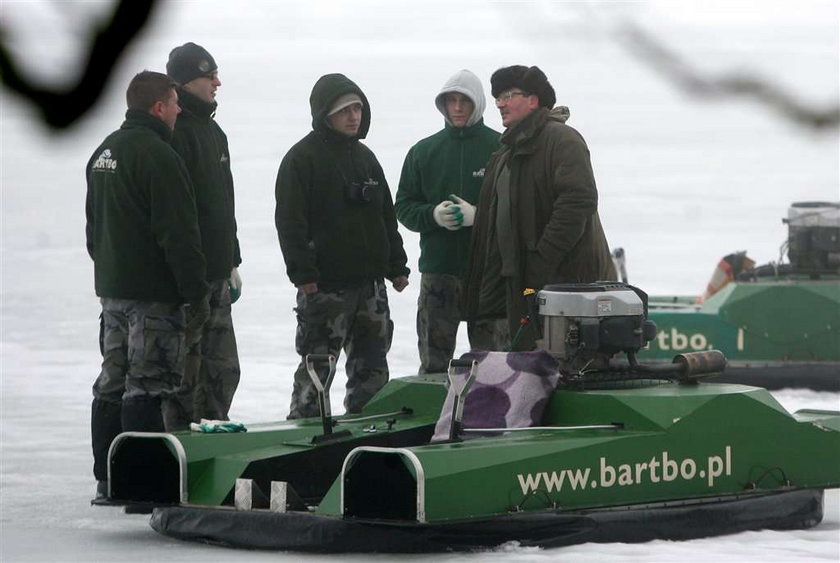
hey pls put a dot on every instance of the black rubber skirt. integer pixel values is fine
(306, 532)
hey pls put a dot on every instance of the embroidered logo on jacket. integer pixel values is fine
(478, 173)
(104, 162)
(224, 158)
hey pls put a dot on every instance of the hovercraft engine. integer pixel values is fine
(586, 325)
(814, 235)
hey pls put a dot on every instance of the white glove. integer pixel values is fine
(466, 208)
(235, 283)
(444, 215)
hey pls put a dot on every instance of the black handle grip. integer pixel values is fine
(319, 357)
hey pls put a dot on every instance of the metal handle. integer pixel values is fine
(323, 388)
(460, 393)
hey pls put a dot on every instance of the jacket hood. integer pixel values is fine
(466, 83)
(326, 91)
(559, 113)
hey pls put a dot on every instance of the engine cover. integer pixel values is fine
(586, 324)
(590, 300)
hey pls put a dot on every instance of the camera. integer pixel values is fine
(359, 192)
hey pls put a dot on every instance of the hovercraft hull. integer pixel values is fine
(645, 461)
(305, 532)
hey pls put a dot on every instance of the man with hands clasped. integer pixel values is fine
(439, 184)
(454, 213)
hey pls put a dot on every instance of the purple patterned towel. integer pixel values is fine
(511, 390)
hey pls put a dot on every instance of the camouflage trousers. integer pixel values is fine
(438, 319)
(356, 320)
(211, 371)
(143, 350)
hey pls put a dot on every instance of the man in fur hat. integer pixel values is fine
(537, 218)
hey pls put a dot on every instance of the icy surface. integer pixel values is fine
(682, 182)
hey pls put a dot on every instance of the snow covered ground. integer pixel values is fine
(682, 182)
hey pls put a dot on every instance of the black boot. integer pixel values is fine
(101, 492)
(105, 425)
(142, 414)
(175, 416)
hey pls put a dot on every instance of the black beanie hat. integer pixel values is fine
(188, 62)
(531, 80)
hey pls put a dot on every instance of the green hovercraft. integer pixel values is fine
(558, 446)
(777, 324)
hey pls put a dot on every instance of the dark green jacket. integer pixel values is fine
(451, 161)
(556, 232)
(204, 147)
(141, 230)
(326, 235)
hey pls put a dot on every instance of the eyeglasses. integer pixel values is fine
(506, 96)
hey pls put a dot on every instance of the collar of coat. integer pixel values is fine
(135, 118)
(332, 137)
(464, 132)
(192, 105)
(521, 136)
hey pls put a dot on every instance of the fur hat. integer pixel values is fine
(188, 62)
(531, 80)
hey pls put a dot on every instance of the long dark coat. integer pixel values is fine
(556, 232)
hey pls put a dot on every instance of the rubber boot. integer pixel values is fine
(105, 425)
(142, 414)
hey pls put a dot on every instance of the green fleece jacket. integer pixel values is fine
(204, 148)
(328, 232)
(451, 161)
(142, 231)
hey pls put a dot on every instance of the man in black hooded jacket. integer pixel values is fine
(338, 233)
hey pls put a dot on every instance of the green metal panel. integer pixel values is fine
(774, 321)
(653, 407)
(423, 393)
(215, 461)
(787, 320)
(686, 450)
